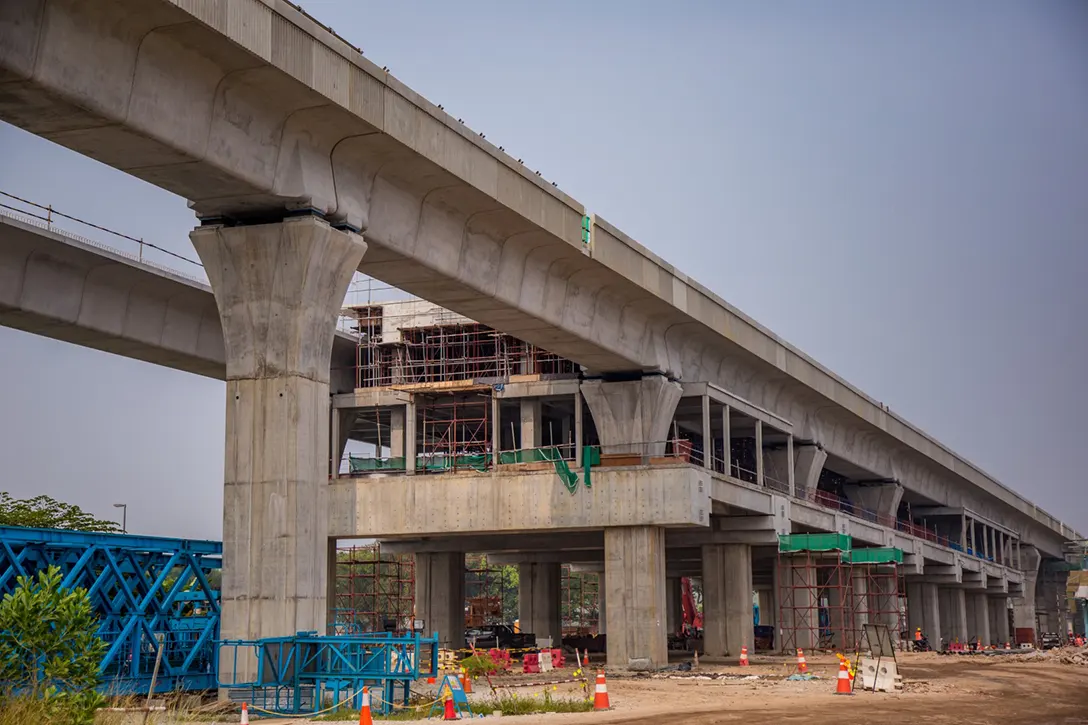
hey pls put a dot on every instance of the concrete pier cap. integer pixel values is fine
(278, 288)
(633, 412)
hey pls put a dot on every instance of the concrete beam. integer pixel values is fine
(372, 398)
(560, 543)
(516, 502)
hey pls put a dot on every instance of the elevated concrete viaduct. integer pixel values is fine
(305, 162)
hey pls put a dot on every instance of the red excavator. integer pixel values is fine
(693, 619)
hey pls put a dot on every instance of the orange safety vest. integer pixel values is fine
(917, 635)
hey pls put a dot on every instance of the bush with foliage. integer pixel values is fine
(49, 650)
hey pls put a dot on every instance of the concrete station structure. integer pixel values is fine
(306, 162)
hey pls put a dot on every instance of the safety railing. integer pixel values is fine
(50, 219)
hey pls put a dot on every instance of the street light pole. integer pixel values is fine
(124, 516)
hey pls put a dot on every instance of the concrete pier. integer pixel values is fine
(635, 413)
(924, 611)
(634, 592)
(538, 600)
(737, 559)
(440, 596)
(278, 288)
(978, 619)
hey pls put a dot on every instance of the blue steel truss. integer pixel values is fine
(307, 672)
(141, 587)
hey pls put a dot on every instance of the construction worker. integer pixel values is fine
(918, 634)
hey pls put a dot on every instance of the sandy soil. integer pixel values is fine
(937, 690)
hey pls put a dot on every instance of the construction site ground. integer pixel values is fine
(1041, 689)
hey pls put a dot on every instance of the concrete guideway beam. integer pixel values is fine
(278, 288)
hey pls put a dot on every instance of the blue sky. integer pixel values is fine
(900, 189)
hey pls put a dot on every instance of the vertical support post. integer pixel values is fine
(963, 530)
(578, 435)
(727, 441)
(334, 443)
(789, 465)
(496, 430)
(410, 440)
(759, 452)
(708, 440)
(973, 540)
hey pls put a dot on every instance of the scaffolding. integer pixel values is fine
(456, 432)
(375, 592)
(828, 591)
(490, 593)
(412, 342)
(579, 603)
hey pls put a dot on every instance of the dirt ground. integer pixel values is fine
(937, 689)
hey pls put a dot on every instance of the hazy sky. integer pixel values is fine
(900, 189)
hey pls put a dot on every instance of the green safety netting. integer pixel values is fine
(365, 465)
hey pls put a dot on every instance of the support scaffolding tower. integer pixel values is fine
(828, 591)
(579, 603)
(375, 592)
(490, 593)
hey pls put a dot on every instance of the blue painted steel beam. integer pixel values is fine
(126, 578)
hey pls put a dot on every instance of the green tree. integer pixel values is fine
(49, 649)
(44, 512)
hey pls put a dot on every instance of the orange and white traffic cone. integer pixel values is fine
(1008, 645)
(600, 695)
(450, 713)
(245, 714)
(365, 717)
(842, 684)
(744, 656)
(802, 666)
(466, 682)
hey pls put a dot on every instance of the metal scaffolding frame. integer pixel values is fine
(374, 592)
(579, 603)
(489, 593)
(142, 588)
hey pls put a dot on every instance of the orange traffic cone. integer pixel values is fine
(450, 713)
(802, 666)
(842, 685)
(245, 714)
(466, 682)
(744, 656)
(1008, 646)
(600, 695)
(364, 710)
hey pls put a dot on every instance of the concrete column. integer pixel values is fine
(839, 609)
(708, 439)
(496, 428)
(715, 637)
(440, 596)
(340, 424)
(759, 454)
(674, 605)
(279, 288)
(953, 614)
(864, 602)
(727, 441)
(790, 465)
(738, 597)
(810, 462)
(978, 628)
(1023, 607)
(634, 579)
(539, 587)
(396, 432)
(579, 436)
(602, 605)
(410, 450)
(633, 412)
(999, 620)
(532, 423)
(923, 610)
(768, 608)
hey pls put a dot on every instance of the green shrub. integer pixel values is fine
(49, 650)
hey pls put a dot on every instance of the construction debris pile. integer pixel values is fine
(1062, 655)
